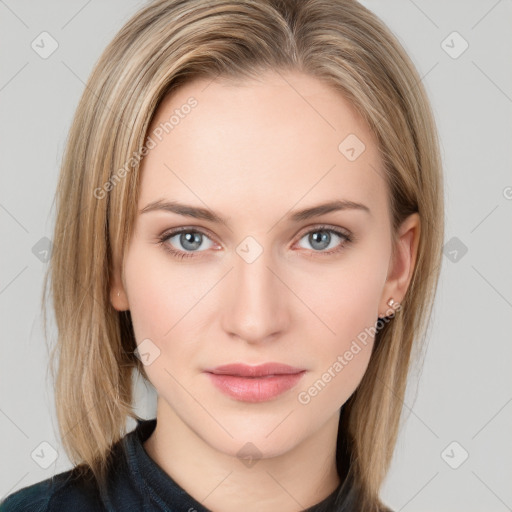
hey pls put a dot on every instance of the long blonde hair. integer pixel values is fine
(168, 43)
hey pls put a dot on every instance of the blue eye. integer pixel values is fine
(320, 238)
(189, 239)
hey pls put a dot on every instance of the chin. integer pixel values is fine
(257, 440)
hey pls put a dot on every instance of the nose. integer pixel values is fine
(256, 309)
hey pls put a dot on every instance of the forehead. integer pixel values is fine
(256, 143)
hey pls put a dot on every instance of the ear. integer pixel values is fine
(402, 263)
(118, 297)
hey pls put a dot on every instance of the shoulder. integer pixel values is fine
(60, 492)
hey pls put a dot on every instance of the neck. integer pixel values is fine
(293, 481)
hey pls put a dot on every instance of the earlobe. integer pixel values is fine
(118, 297)
(404, 261)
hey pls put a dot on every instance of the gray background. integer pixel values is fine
(462, 395)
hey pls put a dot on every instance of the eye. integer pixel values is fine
(321, 238)
(188, 241)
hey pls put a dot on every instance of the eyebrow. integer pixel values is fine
(298, 216)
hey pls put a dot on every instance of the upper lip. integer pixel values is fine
(261, 370)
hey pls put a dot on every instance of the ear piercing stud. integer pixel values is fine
(392, 304)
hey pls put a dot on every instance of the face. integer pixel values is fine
(265, 284)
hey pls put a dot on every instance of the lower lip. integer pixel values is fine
(255, 389)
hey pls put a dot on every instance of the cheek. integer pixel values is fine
(166, 308)
(341, 357)
(158, 298)
(345, 301)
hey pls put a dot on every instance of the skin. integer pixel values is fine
(254, 151)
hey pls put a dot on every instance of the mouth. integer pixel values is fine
(255, 383)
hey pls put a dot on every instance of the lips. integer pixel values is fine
(255, 383)
(262, 370)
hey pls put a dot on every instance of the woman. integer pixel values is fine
(250, 216)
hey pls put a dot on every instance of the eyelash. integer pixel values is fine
(348, 238)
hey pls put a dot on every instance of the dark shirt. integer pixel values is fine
(137, 483)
